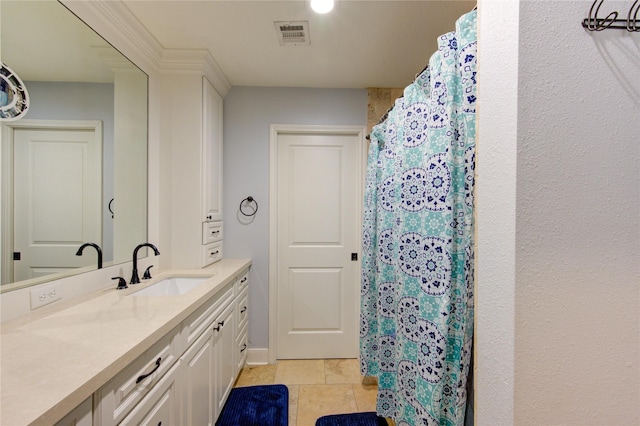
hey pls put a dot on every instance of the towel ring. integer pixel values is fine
(249, 200)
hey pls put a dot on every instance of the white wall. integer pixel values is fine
(565, 311)
(248, 113)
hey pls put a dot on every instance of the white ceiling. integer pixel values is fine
(361, 43)
(43, 41)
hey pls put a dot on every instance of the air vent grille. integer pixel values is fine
(293, 33)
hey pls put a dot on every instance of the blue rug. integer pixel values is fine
(266, 405)
(354, 419)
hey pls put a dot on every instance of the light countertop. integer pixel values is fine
(56, 357)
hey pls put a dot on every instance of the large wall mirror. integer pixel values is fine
(74, 168)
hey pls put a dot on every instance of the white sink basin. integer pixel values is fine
(174, 286)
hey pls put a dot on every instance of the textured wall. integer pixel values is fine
(574, 331)
(495, 211)
(578, 228)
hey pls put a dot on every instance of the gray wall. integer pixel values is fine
(248, 114)
(81, 101)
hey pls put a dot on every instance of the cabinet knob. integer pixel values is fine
(209, 217)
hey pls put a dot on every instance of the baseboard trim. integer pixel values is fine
(258, 356)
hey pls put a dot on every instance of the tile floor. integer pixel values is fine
(317, 387)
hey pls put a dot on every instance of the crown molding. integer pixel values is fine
(195, 61)
(115, 22)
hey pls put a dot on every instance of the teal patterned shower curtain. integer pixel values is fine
(417, 275)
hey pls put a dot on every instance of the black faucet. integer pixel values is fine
(134, 274)
(95, 246)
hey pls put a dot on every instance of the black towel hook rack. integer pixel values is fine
(631, 24)
(247, 202)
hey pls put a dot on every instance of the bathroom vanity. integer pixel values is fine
(114, 357)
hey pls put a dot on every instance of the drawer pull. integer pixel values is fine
(144, 376)
(243, 310)
(215, 252)
(215, 232)
(244, 346)
(220, 325)
(243, 280)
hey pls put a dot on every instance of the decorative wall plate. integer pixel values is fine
(14, 99)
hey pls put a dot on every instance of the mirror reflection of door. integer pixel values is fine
(57, 198)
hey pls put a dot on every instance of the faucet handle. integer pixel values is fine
(147, 273)
(122, 283)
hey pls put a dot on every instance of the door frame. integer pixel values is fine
(275, 131)
(6, 186)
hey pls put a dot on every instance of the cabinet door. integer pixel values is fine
(212, 153)
(198, 388)
(224, 361)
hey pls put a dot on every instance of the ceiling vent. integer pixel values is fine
(293, 33)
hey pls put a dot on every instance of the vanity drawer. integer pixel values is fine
(161, 406)
(243, 308)
(119, 396)
(211, 232)
(211, 253)
(243, 282)
(203, 317)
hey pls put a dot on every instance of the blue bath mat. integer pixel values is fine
(353, 419)
(266, 405)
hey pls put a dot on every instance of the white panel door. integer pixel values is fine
(319, 200)
(57, 198)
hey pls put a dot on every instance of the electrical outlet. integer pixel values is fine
(44, 295)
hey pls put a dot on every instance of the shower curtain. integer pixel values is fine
(417, 272)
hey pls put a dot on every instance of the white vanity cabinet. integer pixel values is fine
(224, 367)
(203, 375)
(82, 415)
(186, 377)
(211, 174)
(161, 405)
(195, 135)
(145, 386)
(242, 320)
(211, 361)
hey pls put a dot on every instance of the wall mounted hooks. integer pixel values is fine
(631, 24)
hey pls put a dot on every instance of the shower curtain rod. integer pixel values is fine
(386, 114)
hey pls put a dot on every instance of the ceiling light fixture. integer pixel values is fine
(322, 6)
